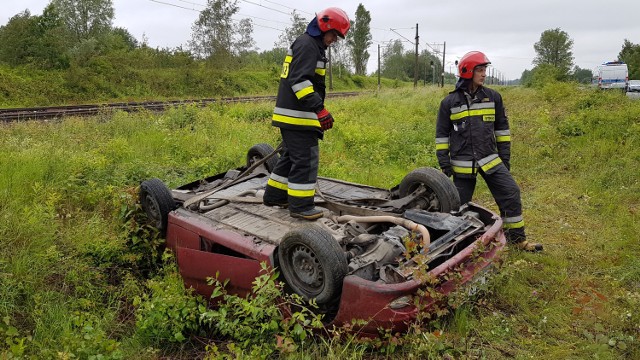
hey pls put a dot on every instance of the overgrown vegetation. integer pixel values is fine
(81, 276)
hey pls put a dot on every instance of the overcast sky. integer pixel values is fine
(504, 29)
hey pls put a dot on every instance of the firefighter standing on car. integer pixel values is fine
(301, 116)
(473, 136)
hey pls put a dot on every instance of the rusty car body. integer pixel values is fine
(354, 261)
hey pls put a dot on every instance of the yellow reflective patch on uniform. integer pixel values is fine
(277, 185)
(296, 121)
(462, 170)
(488, 118)
(285, 70)
(304, 92)
(515, 225)
(491, 164)
(459, 115)
(477, 112)
(301, 193)
(442, 146)
(505, 138)
(321, 71)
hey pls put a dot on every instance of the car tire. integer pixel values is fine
(441, 194)
(259, 152)
(157, 202)
(313, 264)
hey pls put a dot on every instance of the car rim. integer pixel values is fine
(307, 269)
(254, 159)
(153, 209)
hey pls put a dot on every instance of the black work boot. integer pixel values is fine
(520, 242)
(310, 214)
(524, 245)
(282, 204)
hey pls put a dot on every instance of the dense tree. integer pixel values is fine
(583, 76)
(542, 75)
(34, 40)
(16, 38)
(340, 58)
(393, 61)
(554, 48)
(630, 54)
(213, 31)
(426, 72)
(525, 78)
(243, 42)
(359, 40)
(85, 19)
(297, 28)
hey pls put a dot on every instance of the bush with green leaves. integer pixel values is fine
(265, 321)
(168, 313)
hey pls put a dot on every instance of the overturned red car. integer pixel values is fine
(367, 258)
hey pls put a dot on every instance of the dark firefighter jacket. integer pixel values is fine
(302, 85)
(472, 131)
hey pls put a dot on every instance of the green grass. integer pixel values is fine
(69, 276)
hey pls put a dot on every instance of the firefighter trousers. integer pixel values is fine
(506, 193)
(294, 178)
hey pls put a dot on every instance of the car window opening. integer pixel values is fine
(207, 245)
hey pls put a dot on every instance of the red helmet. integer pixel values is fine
(469, 62)
(334, 18)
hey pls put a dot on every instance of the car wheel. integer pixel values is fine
(157, 202)
(441, 194)
(313, 264)
(259, 152)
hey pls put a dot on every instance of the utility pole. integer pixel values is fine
(415, 73)
(433, 73)
(378, 67)
(426, 69)
(444, 51)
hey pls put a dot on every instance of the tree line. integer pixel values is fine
(79, 35)
(77, 40)
(554, 60)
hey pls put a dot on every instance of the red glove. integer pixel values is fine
(325, 118)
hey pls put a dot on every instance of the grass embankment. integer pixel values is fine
(73, 278)
(27, 87)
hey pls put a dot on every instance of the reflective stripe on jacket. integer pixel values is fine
(302, 85)
(472, 132)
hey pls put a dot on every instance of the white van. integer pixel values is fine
(613, 75)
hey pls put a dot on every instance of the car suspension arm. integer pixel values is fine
(408, 224)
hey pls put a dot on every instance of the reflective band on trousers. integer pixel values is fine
(301, 190)
(514, 222)
(277, 184)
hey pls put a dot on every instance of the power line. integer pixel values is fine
(266, 7)
(192, 3)
(290, 8)
(254, 23)
(174, 5)
(402, 36)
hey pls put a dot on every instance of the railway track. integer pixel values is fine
(54, 112)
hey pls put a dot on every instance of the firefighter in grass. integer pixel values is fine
(301, 116)
(473, 136)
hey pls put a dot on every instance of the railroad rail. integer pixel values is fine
(54, 112)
